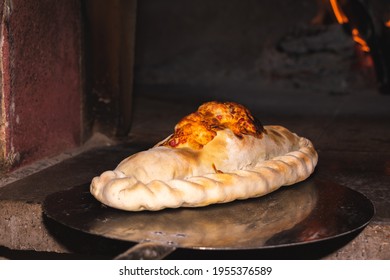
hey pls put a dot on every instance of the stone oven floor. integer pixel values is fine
(351, 132)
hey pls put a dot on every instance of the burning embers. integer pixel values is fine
(371, 31)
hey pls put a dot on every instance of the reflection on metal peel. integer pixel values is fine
(306, 212)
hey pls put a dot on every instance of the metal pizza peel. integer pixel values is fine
(307, 212)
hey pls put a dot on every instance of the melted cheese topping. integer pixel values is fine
(200, 127)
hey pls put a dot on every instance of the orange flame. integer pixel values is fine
(358, 39)
(387, 23)
(340, 16)
(342, 19)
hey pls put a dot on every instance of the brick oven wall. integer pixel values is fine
(41, 81)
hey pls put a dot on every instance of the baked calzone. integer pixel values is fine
(217, 154)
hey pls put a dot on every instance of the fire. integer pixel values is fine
(358, 39)
(342, 19)
(370, 32)
(340, 16)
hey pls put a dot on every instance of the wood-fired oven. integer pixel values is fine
(86, 82)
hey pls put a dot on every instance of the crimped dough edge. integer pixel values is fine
(115, 189)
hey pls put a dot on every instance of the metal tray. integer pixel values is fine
(310, 211)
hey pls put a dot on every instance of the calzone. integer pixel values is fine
(217, 154)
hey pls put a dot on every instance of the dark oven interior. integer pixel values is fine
(218, 49)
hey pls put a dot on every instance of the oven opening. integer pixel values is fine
(104, 54)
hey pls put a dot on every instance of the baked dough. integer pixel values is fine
(218, 154)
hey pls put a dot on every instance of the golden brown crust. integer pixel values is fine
(199, 128)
